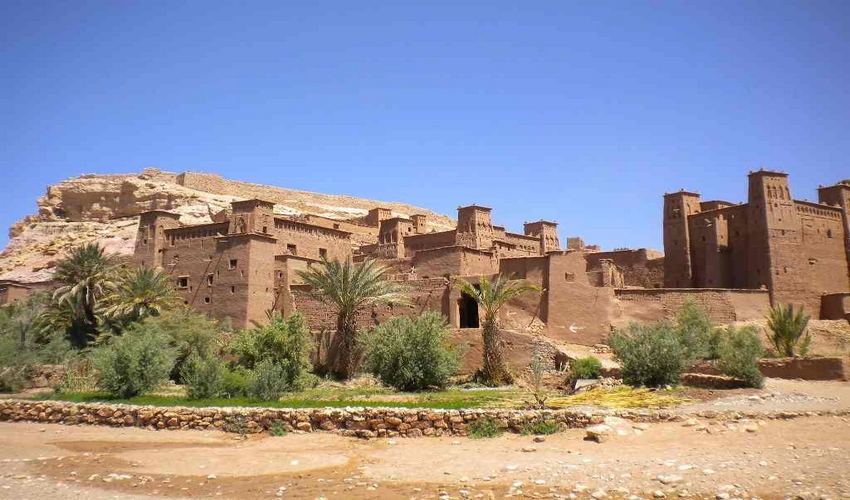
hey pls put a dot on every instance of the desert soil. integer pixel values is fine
(806, 457)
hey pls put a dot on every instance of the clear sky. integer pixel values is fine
(583, 112)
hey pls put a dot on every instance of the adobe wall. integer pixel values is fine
(310, 241)
(640, 267)
(241, 292)
(835, 306)
(454, 261)
(576, 310)
(723, 305)
(430, 294)
(429, 241)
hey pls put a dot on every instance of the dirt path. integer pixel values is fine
(808, 457)
(782, 395)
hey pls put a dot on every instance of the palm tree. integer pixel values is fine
(141, 292)
(86, 276)
(491, 295)
(349, 288)
(788, 330)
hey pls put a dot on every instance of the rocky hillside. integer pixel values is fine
(105, 208)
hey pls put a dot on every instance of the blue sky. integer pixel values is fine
(584, 112)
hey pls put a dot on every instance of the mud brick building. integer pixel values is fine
(797, 250)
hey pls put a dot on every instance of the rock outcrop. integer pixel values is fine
(105, 208)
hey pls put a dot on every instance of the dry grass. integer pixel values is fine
(612, 398)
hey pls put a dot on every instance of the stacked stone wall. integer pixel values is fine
(353, 422)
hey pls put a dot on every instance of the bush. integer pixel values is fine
(236, 382)
(739, 352)
(484, 427)
(204, 377)
(589, 367)
(13, 378)
(696, 331)
(650, 355)
(136, 362)
(189, 333)
(412, 353)
(541, 427)
(284, 343)
(788, 330)
(267, 381)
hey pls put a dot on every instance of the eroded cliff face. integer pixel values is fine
(105, 209)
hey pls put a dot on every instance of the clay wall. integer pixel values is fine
(822, 256)
(723, 305)
(310, 241)
(14, 292)
(423, 295)
(574, 309)
(640, 267)
(835, 306)
(222, 276)
(454, 261)
(528, 245)
(429, 241)
(474, 227)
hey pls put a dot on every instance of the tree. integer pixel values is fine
(788, 330)
(141, 292)
(86, 277)
(491, 295)
(349, 288)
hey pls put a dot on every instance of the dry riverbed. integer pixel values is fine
(809, 457)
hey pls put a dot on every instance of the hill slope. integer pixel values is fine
(105, 208)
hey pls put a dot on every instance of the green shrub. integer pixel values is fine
(484, 427)
(267, 381)
(189, 333)
(788, 330)
(695, 330)
(204, 377)
(283, 342)
(136, 362)
(236, 382)
(589, 367)
(13, 378)
(277, 429)
(650, 355)
(541, 427)
(412, 353)
(739, 352)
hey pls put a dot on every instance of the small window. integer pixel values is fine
(280, 274)
(209, 280)
(183, 282)
(829, 233)
(569, 277)
(323, 253)
(232, 264)
(206, 300)
(336, 226)
(186, 302)
(265, 229)
(232, 289)
(292, 249)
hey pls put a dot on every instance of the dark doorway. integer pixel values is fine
(468, 309)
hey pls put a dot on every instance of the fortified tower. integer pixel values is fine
(678, 272)
(150, 238)
(839, 195)
(252, 216)
(474, 227)
(391, 237)
(419, 223)
(774, 257)
(547, 231)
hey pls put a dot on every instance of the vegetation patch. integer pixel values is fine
(484, 427)
(621, 398)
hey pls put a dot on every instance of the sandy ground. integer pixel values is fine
(809, 457)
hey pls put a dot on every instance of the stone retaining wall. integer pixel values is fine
(353, 422)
